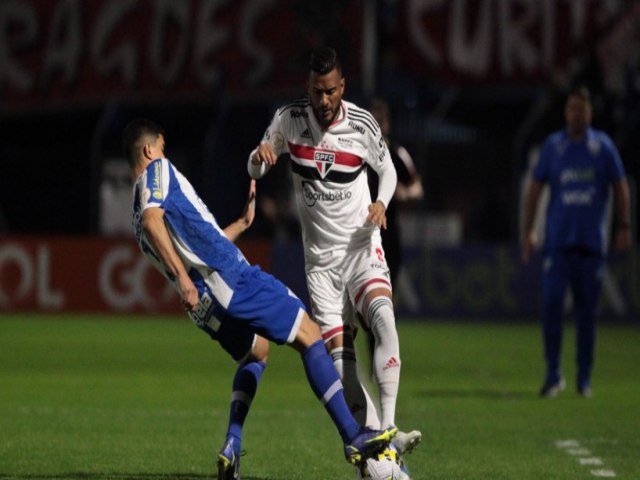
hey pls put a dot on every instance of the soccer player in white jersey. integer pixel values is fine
(330, 142)
(237, 304)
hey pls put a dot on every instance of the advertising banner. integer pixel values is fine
(476, 281)
(490, 281)
(67, 274)
(107, 275)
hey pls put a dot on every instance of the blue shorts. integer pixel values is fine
(261, 305)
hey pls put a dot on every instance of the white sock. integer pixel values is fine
(357, 397)
(386, 356)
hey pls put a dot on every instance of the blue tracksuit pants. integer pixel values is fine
(582, 271)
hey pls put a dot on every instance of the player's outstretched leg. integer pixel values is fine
(357, 397)
(360, 442)
(386, 355)
(245, 385)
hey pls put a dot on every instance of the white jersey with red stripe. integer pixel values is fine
(330, 178)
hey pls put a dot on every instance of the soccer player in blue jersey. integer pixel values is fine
(237, 304)
(579, 164)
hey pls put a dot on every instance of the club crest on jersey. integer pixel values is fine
(324, 161)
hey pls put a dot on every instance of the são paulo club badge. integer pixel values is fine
(324, 161)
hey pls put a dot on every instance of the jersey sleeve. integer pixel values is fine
(274, 136)
(154, 187)
(380, 161)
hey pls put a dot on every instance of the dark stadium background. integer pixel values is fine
(473, 87)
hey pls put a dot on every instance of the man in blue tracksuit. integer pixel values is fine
(579, 164)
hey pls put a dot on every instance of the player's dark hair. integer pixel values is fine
(324, 60)
(133, 135)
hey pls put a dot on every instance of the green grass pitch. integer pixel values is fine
(108, 397)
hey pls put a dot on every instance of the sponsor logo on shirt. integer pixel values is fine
(298, 114)
(345, 142)
(569, 175)
(578, 197)
(305, 133)
(311, 196)
(156, 182)
(356, 127)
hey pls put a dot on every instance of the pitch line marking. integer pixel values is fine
(567, 443)
(579, 452)
(603, 473)
(573, 447)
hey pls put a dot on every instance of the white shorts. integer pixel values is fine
(336, 294)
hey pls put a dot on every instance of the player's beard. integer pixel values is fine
(326, 117)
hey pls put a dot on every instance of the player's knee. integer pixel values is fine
(308, 333)
(311, 327)
(335, 342)
(372, 302)
(380, 316)
(260, 350)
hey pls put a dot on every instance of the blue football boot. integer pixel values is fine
(229, 461)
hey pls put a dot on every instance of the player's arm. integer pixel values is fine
(380, 161)
(622, 236)
(261, 160)
(265, 155)
(158, 236)
(235, 229)
(529, 238)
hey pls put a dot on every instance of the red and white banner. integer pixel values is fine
(497, 41)
(71, 52)
(66, 274)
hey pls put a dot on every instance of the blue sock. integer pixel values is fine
(245, 384)
(325, 383)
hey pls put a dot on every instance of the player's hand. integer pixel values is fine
(377, 215)
(264, 154)
(189, 293)
(249, 212)
(528, 244)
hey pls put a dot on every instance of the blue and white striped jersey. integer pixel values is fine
(213, 262)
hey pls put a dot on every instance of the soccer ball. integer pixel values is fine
(384, 466)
